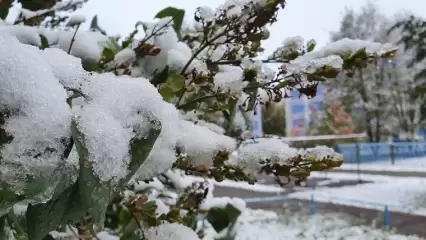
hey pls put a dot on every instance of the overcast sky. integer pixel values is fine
(307, 18)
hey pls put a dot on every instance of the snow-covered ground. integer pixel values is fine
(406, 165)
(262, 225)
(400, 194)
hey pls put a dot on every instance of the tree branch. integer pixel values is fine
(200, 99)
(73, 39)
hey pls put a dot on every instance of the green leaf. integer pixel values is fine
(95, 26)
(43, 218)
(107, 55)
(174, 84)
(112, 43)
(35, 5)
(91, 66)
(4, 8)
(282, 84)
(160, 77)
(34, 188)
(177, 15)
(166, 92)
(44, 42)
(221, 218)
(95, 194)
(140, 149)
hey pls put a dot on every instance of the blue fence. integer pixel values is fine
(372, 152)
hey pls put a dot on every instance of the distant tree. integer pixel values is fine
(382, 92)
(412, 34)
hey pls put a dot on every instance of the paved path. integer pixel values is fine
(404, 223)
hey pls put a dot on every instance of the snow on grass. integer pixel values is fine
(401, 165)
(400, 194)
(260, 225)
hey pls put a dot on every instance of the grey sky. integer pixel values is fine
(307, 18)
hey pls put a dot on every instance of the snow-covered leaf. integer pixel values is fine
(95, 194)
(177, 15)
(141, 148)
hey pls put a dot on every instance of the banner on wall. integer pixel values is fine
(302, 113)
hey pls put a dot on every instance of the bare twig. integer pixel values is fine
(226, 62)
(73, 38)
(202, 47)
(78, 91)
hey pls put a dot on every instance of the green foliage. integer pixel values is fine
(221, 218)
(96, 195)
(44, 42)
(173, 85)
(95, 26)
(43, 218)
(177, 15)
(88, 194)
(220, 170)
(35, 5)
(4, 8)
(161, 77)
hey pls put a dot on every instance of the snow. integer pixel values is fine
(155, 184)
(229, 79)
(252, 156)
(240, 185)
(76, 19)
(40, 118)
(400, 194)
(59, 6)
(401, 165)
(125, 56)
(220, 202)
(169, 231)
(106, 236)
(25, 34)
(109, 119)
(330, 55)
(206, 13)
(66, 68)
(261, 224)
(192, 136)
(86, 45)
(347, 45)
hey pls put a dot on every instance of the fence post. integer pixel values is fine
(386, 218)
(312, 206)
(358, 162)
(392, 153)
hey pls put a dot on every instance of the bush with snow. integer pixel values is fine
(99, 132)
